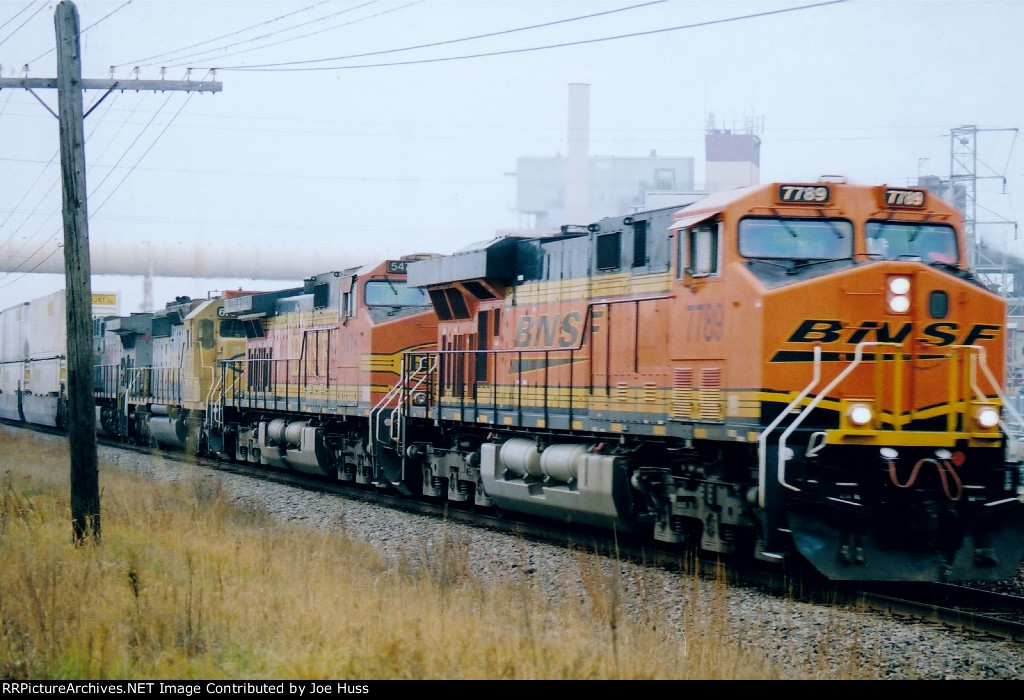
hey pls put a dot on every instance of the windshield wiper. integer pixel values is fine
(782, 222)
(792, 265)
(808, 263)
(835, 229)
(952, 267)
(788, 264)
(917, 229)
(777, 262)
(832, 225)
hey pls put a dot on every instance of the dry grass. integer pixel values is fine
(187, 586)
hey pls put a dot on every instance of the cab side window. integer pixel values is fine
(206, 337)
(348, 297)
(698, 251)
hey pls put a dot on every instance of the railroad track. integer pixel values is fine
(971, 610)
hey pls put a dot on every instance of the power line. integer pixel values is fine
(440, 43)
(101, 19)
(95, 209)
(15, 16)
(141, 61)
(32, 212)
(146, 152)
(280, 31)
(277, 67)
(41, 8)
(296, 38)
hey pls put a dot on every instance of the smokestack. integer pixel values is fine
(577, 191)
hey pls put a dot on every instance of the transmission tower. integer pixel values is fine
(991, 264)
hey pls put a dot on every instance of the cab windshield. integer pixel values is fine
(796, 239)
(394, 293)
(933, 243)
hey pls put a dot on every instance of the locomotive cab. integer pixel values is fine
(876, 356)
(120, 345)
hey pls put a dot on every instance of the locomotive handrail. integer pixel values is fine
(239, 370)
(270, 382)
(762, 439)
(107, 378)
(379, 407)
(980, 357)
(395, 413)
(127, 387)
(387, 398)
(977, 358)
(544, 386)
(211, 368)
(857, 357)
(211, 421)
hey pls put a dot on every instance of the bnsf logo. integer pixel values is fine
(937, 334)
(550, 330)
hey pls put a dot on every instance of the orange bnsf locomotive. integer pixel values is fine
(318, 371)
(788, 367)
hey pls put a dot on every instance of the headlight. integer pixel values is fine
(859, 414)
(898, 297)
(899, 285)
(899, 305)
(987, 417)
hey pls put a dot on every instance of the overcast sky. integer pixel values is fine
(384, 127)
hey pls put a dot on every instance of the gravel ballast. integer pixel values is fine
(797, 636)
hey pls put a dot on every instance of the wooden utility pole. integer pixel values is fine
(85, 494)
(85, 487)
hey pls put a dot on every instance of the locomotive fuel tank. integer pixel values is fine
(166, 426)
(294, 444)
(564, 481)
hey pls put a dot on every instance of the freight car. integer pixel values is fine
(33, 362)
(795, 368)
